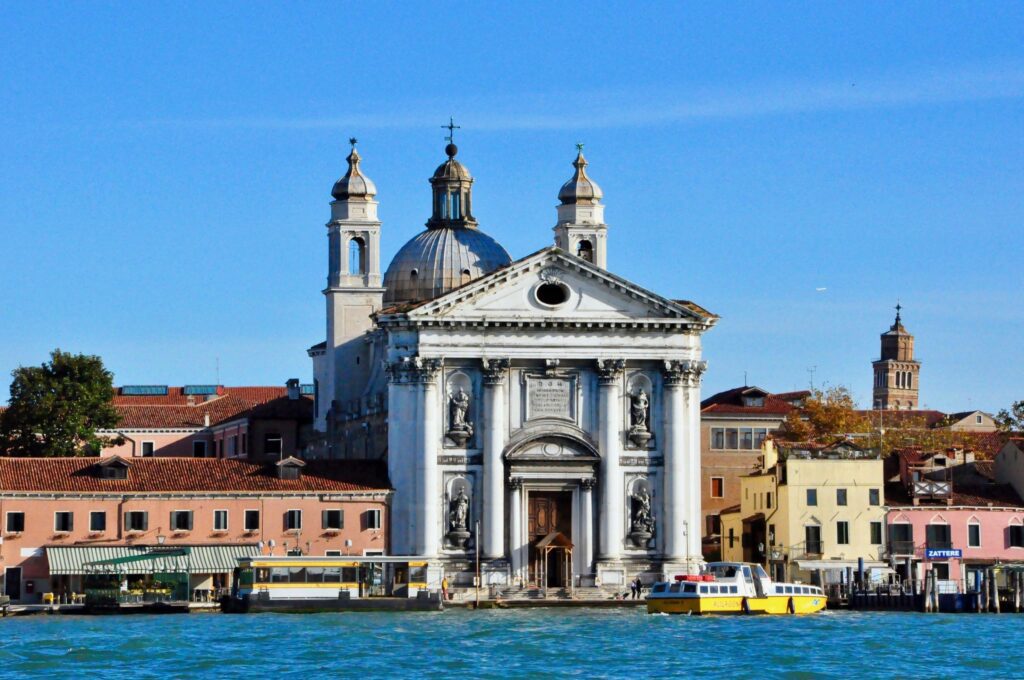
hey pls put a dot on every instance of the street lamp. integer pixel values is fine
(160, 538)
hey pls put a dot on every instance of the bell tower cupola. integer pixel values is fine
(581, 230)
(896, 371)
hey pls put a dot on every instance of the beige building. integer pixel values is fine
(805, 510)
(733, 424)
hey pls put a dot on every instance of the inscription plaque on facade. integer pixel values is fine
(550, 398)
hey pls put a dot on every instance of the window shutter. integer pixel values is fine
(145, 521)
(188, 520)
(324, 519)
(341, 519)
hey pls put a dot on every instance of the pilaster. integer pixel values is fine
(495, 420)
(610, 374)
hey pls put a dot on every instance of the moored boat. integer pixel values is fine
(733, 588)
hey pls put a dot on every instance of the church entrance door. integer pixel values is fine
(549, 512)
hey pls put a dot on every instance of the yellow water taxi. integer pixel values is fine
(733, 588)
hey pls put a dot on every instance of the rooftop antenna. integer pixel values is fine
(217, 370)
(745, 383)
(811, 370)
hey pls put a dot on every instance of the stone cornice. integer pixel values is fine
(400, 320)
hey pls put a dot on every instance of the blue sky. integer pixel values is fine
(165, 172)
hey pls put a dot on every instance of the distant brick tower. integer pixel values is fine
(896, 372)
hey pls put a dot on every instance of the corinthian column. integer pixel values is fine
(429, 490)
(609, 434)
(692, 424)
(587, 523)
(495, 417)
(673, 523)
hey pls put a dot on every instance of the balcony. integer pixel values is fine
(902, 548)
(930, 489)
(939, 544)
(807, 549)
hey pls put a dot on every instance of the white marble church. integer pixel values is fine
(543, 410)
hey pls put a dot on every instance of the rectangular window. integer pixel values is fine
(220, 520)
(15, 522)
(812, 497)
(812, 539)
(372, 519)
(199, 449)
(876, 533)
(181, 520)
(718, 438)
(292, 520)
(768, 498)
(245, 443)
(840, 496)
(97, 521)
(938, 536)
(136, 520)
(732, 438)
(252, 520)
(1017, 536)
(732, 537)
(843, 533)
(973, 535)
(232, 446)
(760, 434)
(874, 497)
(333, 519)
(63, 522)
(147, 449)
(717, 487)
(746, 439)
(977, 419)
(272, 445)
(216, 448)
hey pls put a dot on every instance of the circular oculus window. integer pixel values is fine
(552, 294)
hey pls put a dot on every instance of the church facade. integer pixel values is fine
(543, 411)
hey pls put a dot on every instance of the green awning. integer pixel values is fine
(200, 559)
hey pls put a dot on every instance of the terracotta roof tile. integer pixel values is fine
(177, 410)
(187, 474)
(731, 402)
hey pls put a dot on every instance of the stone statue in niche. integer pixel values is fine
(458, 519)
(459, 427)
(639, 413)
(642, 517)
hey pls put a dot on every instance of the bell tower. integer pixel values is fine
(581, 230)
(354, 289)
(896, 385)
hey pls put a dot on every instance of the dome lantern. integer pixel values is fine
(452, 188)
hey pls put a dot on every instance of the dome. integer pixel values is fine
(580, 189)
(354, 185)
(437, 261)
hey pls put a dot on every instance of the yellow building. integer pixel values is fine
(809, 509)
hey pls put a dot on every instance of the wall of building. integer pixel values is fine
(1009, 466)
(165, 443)
(26, 549)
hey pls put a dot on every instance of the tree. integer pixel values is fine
(56, 408)
(825, 415)
(1011, 420)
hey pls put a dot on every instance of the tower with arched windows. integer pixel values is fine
(354, 289)
(896, 383)
(581, 229)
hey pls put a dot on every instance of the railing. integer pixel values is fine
(930, 488)
(807, 549)
(906, 548)
(935, 544)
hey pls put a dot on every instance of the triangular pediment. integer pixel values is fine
(552, 285)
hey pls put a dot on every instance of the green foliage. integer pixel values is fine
(1011, 420)
(56, 408)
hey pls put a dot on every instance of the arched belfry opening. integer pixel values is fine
(585, 250)
(356, 256)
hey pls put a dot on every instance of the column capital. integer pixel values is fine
(609, 371)
(684, 373)
(495, 370)
(588, 483)
(414, 369)
(515, 483)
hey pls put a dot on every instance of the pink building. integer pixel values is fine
(212, 421)
(948, 514)
(61, 515)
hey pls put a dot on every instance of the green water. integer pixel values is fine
(513, 644)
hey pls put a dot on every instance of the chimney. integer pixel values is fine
(293, 388)
(206, 420)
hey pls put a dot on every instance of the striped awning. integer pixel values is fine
(200, 559)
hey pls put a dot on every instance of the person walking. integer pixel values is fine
(444, 588)
(632, 590)
(639, 587)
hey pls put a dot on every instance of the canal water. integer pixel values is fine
(512, 644)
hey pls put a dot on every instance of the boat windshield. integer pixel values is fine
(723, 570)
(759, 571)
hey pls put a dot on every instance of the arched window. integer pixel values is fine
(585, 250)
(910, 380)
(356, 256)
(456, 206)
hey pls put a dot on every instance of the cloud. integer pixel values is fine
(624, 109)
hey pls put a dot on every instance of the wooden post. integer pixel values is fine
(927, 591)
(995, 590)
